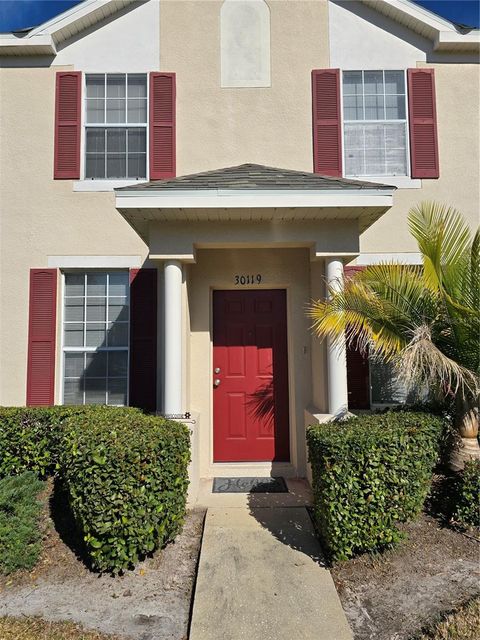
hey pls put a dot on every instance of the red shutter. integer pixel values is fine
(67, 125)
(162, 126)
(423, 123)
(41, 337)
(358, 374)
(327, 122)
(143, 339)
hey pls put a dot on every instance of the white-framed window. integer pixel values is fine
(375, 136)
(96, 337)
(116, 126)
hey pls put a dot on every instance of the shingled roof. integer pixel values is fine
(254, 177)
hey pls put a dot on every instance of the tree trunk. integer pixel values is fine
(467, 425)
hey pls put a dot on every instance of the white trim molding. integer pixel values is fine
(94, 262)
(225, 199)
(366, 259)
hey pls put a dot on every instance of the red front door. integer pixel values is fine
(250, 376)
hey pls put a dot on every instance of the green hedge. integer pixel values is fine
(370, 473)
(30, 438)
(467, 509)
(19, 514)
(126, 476)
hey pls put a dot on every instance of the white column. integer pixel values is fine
(172, 372)
(336, 354)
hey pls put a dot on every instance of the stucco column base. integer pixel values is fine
(469, 449)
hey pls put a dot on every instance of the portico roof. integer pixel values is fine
(252, 177)
(252, 192)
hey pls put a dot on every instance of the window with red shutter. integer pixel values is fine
(143, 339)
(67, 125)
(41, 337)
(327, 136)
(423, 123)
(162, 125)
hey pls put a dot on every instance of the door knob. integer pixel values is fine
(217, 370)
(216, 382)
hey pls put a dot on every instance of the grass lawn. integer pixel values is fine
(20, 510)
(37, 629)
(464, 624)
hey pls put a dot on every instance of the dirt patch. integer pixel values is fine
(150, 603)
(392, 596)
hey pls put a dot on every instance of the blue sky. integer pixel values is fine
(18, 14)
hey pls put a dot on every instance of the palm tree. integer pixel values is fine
(423, 319)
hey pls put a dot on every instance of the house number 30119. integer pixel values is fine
(248, 279)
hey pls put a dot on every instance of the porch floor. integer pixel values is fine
(262, 576)
(299, 495)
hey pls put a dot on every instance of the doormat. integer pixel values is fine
(249, 485)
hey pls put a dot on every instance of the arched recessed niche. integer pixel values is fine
(245, 43)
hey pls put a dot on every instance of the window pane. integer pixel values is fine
(95, 391)
(116, 85)
(116, 141)
(373, 82)
(118, 284)
(95, 86)
(73, 392)
(137, 86)
(395, 107)
(117, 364)
(95, 141)
(396, 162)
(137, 110)
(386, 387)
(352, 83)
(96, 284)
(95, 165)
(116, 111)
(375, 162)
(96, 365)
(353, 107)
(374, 108)
(74, 284)
(74, 364)
(96, 310)
(354, 149)
(116, 166)
(118, 334)
(74, 335)
(117, 309)
(95, 111)
(394, 82)
(74, 309)
(137, 165)
(117, 391)
(95, 335)
(137, 140)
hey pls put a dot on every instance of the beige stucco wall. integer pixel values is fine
(40, 216)
(458, 117)
(222, 127)
(280, 269)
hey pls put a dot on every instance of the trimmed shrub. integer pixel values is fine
(370, 473)
(126, 477)
(19, 514)
(467, 510)
(30, 438)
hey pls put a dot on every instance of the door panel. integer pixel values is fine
(250, 402)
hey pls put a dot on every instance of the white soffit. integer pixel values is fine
(226, 199)
(43, 39)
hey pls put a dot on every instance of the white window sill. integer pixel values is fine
(401, 182)
(104, 185)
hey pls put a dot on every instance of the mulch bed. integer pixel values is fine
(151, 602)
(436, 569)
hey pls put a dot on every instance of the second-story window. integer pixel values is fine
(116, 116)
(375, 124)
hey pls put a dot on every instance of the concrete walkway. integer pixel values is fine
(261, 578)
